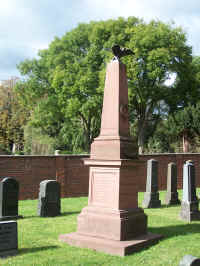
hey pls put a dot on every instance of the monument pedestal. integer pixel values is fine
(112, 221)
(113, 247)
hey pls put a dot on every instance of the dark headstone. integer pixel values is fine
(8, 238)
(171, 197)
(189, 260)
(9, 191)
(49, 198)
(151, 196)
(189, 204)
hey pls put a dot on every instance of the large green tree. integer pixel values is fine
(161, 53)
(63, 88)
(183, 125)
(12, 117)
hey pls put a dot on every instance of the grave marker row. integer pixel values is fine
(48, 201)
(189, 203)
(49, 205)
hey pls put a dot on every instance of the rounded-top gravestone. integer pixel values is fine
(49, 198)
(9, 192)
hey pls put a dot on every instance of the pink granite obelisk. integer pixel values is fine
(112, 221)
(114, 142)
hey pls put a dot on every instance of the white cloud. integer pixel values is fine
(29, 25)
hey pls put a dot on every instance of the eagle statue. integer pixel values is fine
(120, 52)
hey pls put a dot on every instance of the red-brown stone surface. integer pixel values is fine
(112, 213)
(121, 248)
(114, 141)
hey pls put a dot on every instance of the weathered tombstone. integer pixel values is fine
(151, 196)
(171, 197)
(9, 192)
(189, 204)
(8, 238)
(112, 221)
(49, 198)
(189, 260)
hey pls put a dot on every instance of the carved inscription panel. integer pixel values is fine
(8, 236)
(104, 187)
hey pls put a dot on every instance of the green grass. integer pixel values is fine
(39, 245)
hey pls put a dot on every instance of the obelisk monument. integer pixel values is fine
(112, 221)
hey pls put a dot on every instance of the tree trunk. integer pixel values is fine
(186, 143)
(141, 135)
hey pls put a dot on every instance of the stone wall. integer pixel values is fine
(73, 175)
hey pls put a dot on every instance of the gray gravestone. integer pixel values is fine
(49, 198)
(189, 260)
(189, 204)
(9, 191)
(8, 238)
(171, 197)
(151, 196)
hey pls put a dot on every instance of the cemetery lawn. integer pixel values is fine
(39, 245)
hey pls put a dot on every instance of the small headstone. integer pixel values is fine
(171, 197)
(9, 191)
(189, 260)
(189, 204)
(8, 238)
(151, 196)
(49, 198)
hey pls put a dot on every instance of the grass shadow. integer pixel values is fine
(30, 216)
(35, 249)
(163, 206)
(69, 213)
(175, 230)
(62, 214)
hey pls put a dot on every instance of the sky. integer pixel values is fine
(29, 25)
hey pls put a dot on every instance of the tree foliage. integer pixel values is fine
(65, 85)
(63, 88)
(12, 117)
(186, 124)
(183, 124)
(160, 51)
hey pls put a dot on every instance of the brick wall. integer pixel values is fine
(163, 160)
(74, 176)
(29, 171)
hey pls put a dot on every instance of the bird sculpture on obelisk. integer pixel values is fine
(112, 221)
